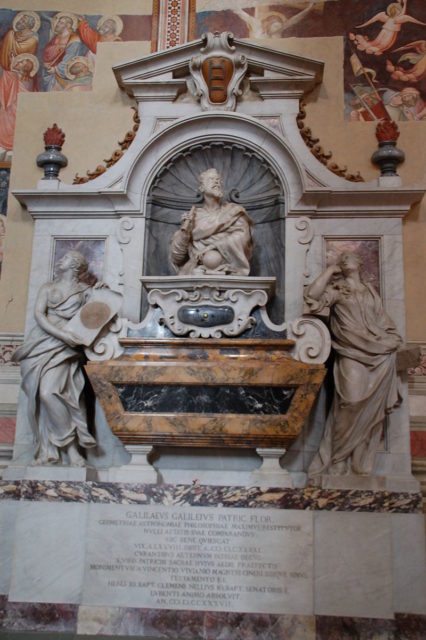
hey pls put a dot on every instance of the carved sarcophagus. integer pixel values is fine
(244, 393)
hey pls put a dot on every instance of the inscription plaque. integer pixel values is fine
(204, 558)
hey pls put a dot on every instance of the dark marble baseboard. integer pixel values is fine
(196, 495)
(40, 616)
(96, 622)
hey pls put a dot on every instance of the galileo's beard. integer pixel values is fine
(217, 191)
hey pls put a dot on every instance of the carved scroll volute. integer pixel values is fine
(218, 72)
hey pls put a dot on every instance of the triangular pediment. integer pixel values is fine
(267, 69)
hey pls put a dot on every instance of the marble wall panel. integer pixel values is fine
(353, 550)
(8, 511)
(408, 552)
(142, 555)
(49, 553)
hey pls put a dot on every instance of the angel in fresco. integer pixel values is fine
(416, 56)
(393, 19)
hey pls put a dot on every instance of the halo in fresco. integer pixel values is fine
(65, 14)
(82, 60)
(26, 56)
(116, 19)
(33, 15)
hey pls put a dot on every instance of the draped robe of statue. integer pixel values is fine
(53, 382)
(365, 340)
(226, 230)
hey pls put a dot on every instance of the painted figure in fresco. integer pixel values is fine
(18, 70)
(405, 105)
(79, 72)
(393, 19)
(51, 368)
(22, 77)
(272, 24)
(416, 57)
(64, 45)
(26, 66)
(368, 105)
(215, 238)
(22, 38)
(365, 341)
(108, 29)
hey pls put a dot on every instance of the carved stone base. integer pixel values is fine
(139, 469)
(60, 473)
(270, 473)
(208, 306)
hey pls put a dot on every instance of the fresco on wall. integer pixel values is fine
(367, 249)
(385, 61)
(262, 18)
(93, 249)
(384, 45)
(53, 51)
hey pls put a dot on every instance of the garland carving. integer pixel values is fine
(318, 151)
(115, 156)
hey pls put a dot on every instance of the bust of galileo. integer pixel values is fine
(215, 238)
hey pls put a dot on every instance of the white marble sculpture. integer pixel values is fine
(214, 239)
(365, 341)
(50, 360)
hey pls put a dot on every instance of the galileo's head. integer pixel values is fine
(210, 183)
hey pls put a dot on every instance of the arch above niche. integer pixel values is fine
(248, 179)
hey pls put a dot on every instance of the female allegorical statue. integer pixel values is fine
(365, 340)
(51, 367)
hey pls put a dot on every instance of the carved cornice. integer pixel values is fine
(115, 156)
(317, 150)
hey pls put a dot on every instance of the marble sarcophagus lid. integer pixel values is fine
(244, 393)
